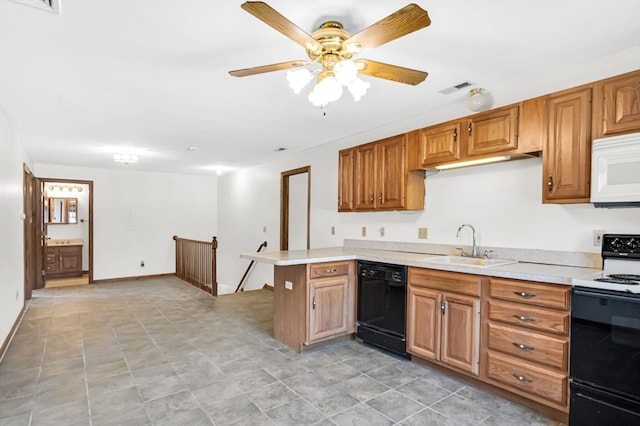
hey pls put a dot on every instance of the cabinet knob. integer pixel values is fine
(371, 199)
(443, 306)
(470, 128)
(314, 303)
(525, 295)
(550, 183)
(330, 271)
(381, 202)
(455, 135)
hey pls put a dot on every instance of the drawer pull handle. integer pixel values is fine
(523, 318)
(521, 378)
(314, 303)
(525, 295)
(330, 271)
(523, 346)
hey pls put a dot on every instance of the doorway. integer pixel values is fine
(60, 237)
(295, 206)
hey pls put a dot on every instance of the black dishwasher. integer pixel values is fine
(382, 306)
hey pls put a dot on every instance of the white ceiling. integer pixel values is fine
(152, 75)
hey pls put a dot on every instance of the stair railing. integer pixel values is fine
(263, 245)
(196, 263)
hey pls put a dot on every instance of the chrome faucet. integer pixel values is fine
(474, 249)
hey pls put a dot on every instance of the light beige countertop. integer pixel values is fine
(522, 270)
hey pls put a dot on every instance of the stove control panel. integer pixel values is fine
(621, 246)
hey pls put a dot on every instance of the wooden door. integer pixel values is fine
(70, 260)
(493, 131)
(391, 177)
(460, 332)
(364, 160)
(328, 311)
(423, 322)
(439, 144)
(345, 180)
(567, 154)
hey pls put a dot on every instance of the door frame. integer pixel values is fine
(42, 236)
(31, 238)
(284, 204)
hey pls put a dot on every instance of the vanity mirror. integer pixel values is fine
(61, 210)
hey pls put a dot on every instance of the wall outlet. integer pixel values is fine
(597, 237)
(423, 233)
(382, 231)
(288, 285)
(364, 231)
(264, 229)
(333, 230)
(142, 263)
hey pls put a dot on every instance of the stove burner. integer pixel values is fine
(631, 277)
(617, 281)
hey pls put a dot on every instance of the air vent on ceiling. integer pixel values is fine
(48, 5)
(455, 88)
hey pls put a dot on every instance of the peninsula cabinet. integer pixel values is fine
(381, 180)
(313, 303)
(443, 318)
(616, 107)
(566, 165)
(525, 343)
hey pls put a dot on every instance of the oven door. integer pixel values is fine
(605, 340)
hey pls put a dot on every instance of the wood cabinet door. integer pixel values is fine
(567, 154)
(423, 322)
(364, 160)
(345, 180)
(439, 144)
(70, 259)
(328, 309)
(493, 131)
(460, 332)
(391, 173)
(620, 104)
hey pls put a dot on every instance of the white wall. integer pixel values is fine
(502, 201)
(137, 213)
(12, 156)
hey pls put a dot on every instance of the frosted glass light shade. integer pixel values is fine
(477, 100)
(345, 71)
(298, 79)
(358, 88)
(327, 90)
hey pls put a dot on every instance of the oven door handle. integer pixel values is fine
(599, 294)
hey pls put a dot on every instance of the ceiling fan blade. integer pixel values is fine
(390, 72)
(400, 23)
(267, 68)
(273, 18)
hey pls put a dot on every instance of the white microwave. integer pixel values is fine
(615, 171)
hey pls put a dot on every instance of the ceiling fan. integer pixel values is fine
(333, 49)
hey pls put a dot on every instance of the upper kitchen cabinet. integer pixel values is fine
(616, 107)
(345, 180)
(567, 152)
(381, 180)
(511, 130)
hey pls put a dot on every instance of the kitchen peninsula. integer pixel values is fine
(315, 303)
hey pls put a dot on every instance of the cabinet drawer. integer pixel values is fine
(527, 378)
(531, 346)
(529, 316)
(454, 282)
(548, 295)
(320, 270)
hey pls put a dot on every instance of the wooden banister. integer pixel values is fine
(196, 263)
(263, 245)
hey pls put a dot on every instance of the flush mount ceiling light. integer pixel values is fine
(125, 158)
(478, 100)
(330, 50)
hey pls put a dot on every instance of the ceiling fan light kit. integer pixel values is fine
(331, 47)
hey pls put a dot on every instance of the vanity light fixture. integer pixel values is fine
(125, 158)
(62, 188)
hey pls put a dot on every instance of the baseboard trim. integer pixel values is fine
(12, 332)
(136, 278)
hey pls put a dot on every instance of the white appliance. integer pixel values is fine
(615, 171)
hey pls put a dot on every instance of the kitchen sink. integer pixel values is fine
(469, 261)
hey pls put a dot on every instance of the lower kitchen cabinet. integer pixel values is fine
(526, 340)
(443, 318)
(63, 261)
(313, 303)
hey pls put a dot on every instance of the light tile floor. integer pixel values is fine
(160, 352)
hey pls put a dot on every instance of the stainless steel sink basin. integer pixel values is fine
(469, 261)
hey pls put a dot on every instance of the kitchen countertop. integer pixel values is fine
(546, 273)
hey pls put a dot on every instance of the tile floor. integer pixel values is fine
(160, 352)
